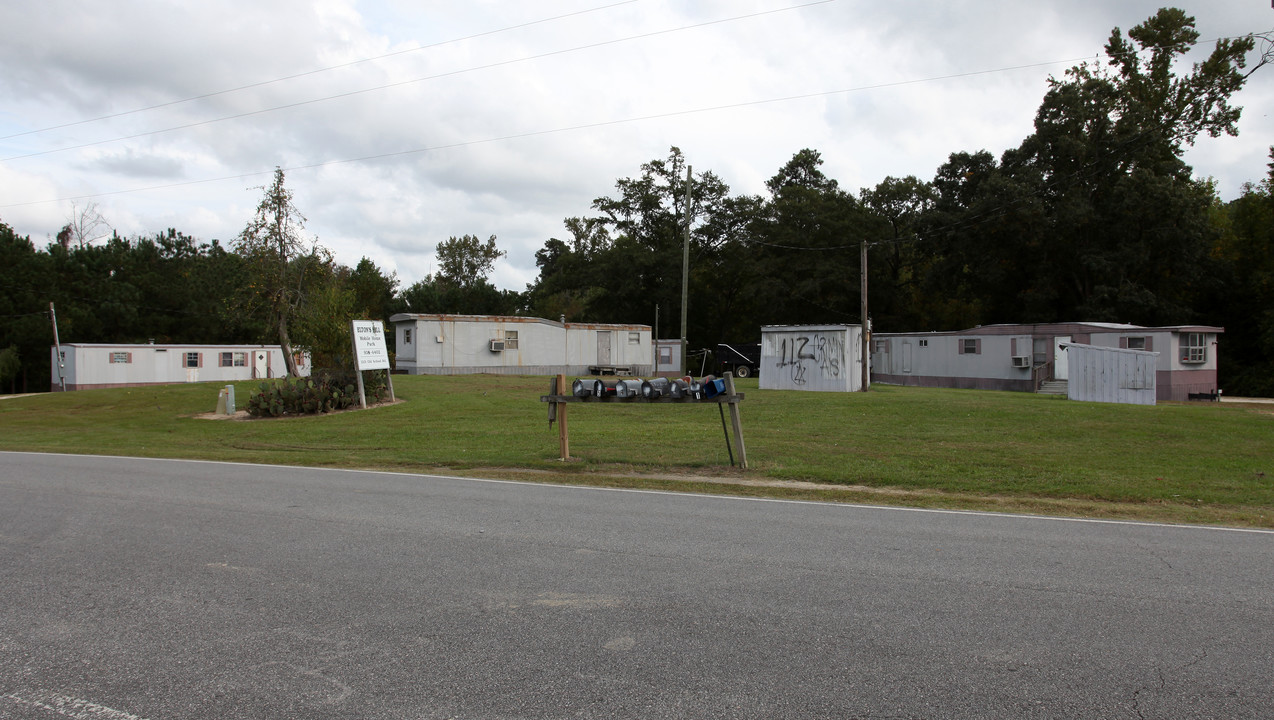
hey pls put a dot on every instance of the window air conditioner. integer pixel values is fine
(497, 346)
(1021, 361)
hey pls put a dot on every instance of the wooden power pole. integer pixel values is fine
(685, 277)
(864, 335)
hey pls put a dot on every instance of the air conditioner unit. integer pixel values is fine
(1021, 361)
(497, 346)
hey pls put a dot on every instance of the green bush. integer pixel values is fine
(325, 391)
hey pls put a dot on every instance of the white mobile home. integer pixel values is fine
(1023, 357)
(97, 365)
(812, 357)
(429, 344)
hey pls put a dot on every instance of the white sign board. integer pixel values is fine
(370, 352)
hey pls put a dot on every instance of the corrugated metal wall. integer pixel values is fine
(1113, 375)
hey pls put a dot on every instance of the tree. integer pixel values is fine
(624, 261)
(1095, 216)
(87, 225)
(1243, 302)
(1128, 225)
(374, 291)
(466, 261)
(898, 260)
(10, 364)
(279, 264)
(808, 237)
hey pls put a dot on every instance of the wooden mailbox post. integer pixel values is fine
(559, 399)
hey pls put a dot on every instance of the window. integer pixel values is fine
(665, 355)
(510, 339)
(882, 346)
(923, 343)
(1136, 343)
(634, 338)
(1193, 348)
(234, 359)
(406, 336)
(121, 357)
(192, 360)
(970, 346)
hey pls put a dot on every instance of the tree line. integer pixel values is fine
(1093, 217)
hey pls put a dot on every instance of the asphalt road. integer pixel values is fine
(167, 589)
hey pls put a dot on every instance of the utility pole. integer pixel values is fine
(864, 335)
(685, 277)
(57, 344)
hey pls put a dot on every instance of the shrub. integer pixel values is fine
(325, 391)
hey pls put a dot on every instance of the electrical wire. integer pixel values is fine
(317, 71)
(401, 83)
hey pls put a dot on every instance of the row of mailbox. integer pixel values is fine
(687, 387)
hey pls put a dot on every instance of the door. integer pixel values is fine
(260, 364)
(1059, 357)
(603, 347)
(161, 366)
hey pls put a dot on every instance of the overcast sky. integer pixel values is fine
(410, 121)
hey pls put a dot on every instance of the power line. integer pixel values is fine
(539, 133)
(413, 81)
(317, 71)
(565, 129)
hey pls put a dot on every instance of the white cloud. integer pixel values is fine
(474, 149)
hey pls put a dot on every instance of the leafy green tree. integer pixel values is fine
(1243, 301)
(280, 265)
(466, 261)
(1128, 226)
(898, 259)
(26, 288)
(808, 237)
(626, 260)
(461, 285)
(374, 292)
(1095, 216)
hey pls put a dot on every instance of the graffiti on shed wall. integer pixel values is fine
(810, 356)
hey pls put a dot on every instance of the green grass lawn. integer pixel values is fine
(1200, 462)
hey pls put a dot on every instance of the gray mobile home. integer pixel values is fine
(1024, 357)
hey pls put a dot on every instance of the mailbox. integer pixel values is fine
(713, 386)
(655, 387)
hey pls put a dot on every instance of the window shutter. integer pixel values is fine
(1013, 347)
(200, 363)
(1150, 344)
(960, 346)
(977, 347)
(1123, 343)
(130, 358)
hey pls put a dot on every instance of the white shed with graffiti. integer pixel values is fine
(825, 358)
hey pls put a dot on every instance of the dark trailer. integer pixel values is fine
(742, 359)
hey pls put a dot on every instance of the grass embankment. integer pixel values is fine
(1204, 462)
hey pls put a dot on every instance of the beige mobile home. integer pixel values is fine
(97, 365)
(515, 345)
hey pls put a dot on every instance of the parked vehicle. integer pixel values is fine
(742, 359)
